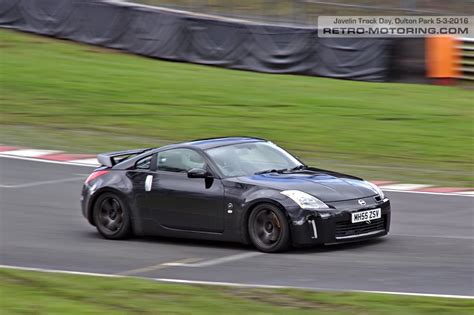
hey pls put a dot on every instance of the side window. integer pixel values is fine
(179, 160)
(143, 164)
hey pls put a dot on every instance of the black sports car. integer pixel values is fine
(234, 189)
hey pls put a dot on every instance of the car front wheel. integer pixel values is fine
(268, 228)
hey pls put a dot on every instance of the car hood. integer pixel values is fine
(326, 186)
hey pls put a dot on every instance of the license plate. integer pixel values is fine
(364, 216)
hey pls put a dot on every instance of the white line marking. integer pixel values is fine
(69, 272)
(30, 152)
(265, 286)
(91, 161)
(46, 182)
(404, 186)
(42, 160)
(216, 261)
(156, 267)
(234, 284)
(418, 294)
(467, 193)
(455, 194)
(458, 194)
(437, 236)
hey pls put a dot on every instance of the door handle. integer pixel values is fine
(148, 182)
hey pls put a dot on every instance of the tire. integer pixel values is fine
(268, 229)
(112, 217)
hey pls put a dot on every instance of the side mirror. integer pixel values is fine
(198, 173)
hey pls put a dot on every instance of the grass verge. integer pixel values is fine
(80, 98)
(27, 292)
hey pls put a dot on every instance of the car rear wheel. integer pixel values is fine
(268, 229)
(112, 217)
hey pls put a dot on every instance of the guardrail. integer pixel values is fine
(466, 60)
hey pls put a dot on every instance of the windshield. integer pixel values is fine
(249, 158)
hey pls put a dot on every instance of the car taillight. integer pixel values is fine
(95, 175)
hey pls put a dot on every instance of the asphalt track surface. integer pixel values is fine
(430, 248)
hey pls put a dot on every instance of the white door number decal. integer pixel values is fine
(148, 182)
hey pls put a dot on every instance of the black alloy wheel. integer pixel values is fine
(268, 228)
(111, 217)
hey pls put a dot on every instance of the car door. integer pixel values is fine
(175, 201)
(140, 176)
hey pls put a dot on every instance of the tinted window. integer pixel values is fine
(179, 160)
(248, 158)
(144, 163)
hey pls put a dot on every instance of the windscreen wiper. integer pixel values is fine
(282, 170)
(271, 171)
(298, 168)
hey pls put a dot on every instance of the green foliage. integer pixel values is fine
(76, 97)
(26, 292)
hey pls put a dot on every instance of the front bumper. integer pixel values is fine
(335, 226)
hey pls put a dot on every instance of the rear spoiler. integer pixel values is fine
(112, 158)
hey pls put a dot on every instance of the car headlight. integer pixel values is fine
(377, 190)
(304, 200)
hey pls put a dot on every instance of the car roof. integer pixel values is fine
(201, 144)
(209, 143)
